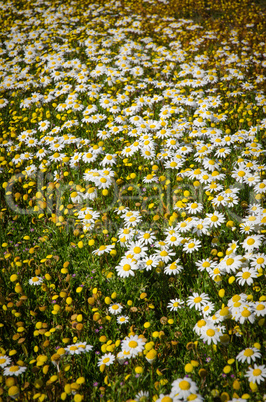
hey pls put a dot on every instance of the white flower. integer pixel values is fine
(174, 268)
(252, 242)
(103, 249)
(115, 308)
(248, 355)
(215, 219)
(14, 370)
(191, 246)
(126, 268)
(175, 304)
(4, 361)
(259, 308)
(211, 334)
(183, 387)
(106, 359)
(245, 276)
(256, 374)
(133, 344)
(122, 319)
(36, 280)
(198, 301)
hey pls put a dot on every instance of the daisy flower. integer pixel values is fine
(248, 355)
(201, 325)
(138, 249)
(204, 264)
(165, 254)
(43, 125)
(173, 239)
(198, 300)
(231, 263)
(150, 262)
(259, 308)
(164, 398)
(109, 159)
(122, 319)
(252, 242)
(74, 349)
(183, 387)
(211, 334)
(103, 249)
(4, 361)
(115, 308)
(216, 219)
(174, 268)
(133, 344)
(260, 188)
(245, 276)
(126, 268)
(245, 314)
(200, 226)
(194, 208)
(142, 396)
(147, 237)
(84, 347)
(207, 310)
(256, 374)
(14, 370)
(175, 304)
(36, 280)
(191, 246)
(107, 359)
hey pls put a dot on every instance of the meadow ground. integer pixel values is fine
(133, 217)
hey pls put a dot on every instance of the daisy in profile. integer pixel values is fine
(183, 387)
(245, 276)
(256, 374)
(198, 300)
(115, 308)
(84, 347)
(36, 280)
(103, 249)
(175, 304)
(248, 355)
(122, 319)
(107, 359)
(133, 344)
(14, 370)
(74, 349)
